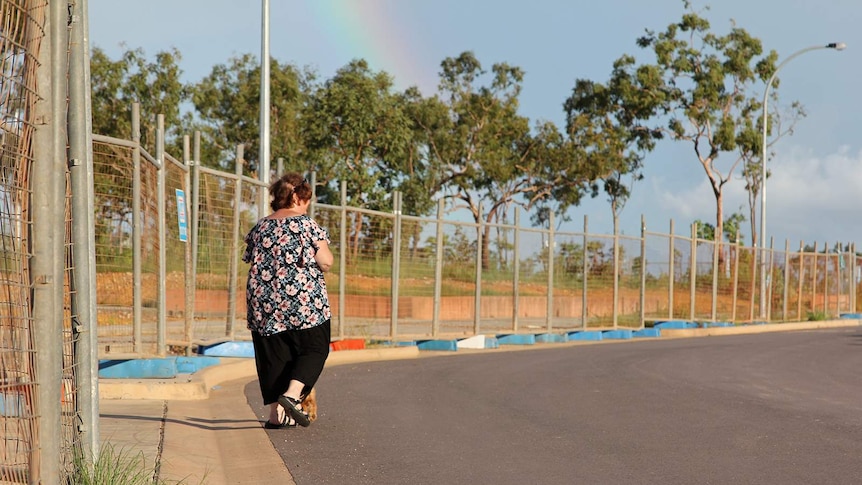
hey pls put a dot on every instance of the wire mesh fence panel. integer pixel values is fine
(417, 267)
(249, 214)
(496, 305)
(658, 267)
(682, 285)
(458, 285)
(726, 281)
(745, 265)
(568, 279)
(368, 274)
(21, 31)
(329, 218)
(177, 251)
(113, 177)
(704, 266)
(150, 251)
(629, 272)
(600, 281)
(217, 244)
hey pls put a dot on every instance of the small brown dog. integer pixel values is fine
(309, 405)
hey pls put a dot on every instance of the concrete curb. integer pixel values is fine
(759, 328)
(197, 386)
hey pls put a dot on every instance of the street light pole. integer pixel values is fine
(834, 45)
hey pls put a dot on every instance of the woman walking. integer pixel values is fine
(288, 307)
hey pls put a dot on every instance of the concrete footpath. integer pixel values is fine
(199, 428)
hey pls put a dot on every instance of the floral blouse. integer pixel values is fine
(285, 289)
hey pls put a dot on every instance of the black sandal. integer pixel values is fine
(287, 422)
(294, 408)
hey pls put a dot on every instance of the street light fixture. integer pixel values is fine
(839, 46)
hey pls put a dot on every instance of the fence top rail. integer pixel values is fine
(114, 141)
(182, 166)
(233, 176)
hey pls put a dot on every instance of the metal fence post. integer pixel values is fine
(189, 311)
(671, 272)
(549, 314)
(161, 334)
(233, 270)
(396, 263)
(585, 272)
(769, 286)
(643, 274)
(692, 272)
(85, 328)
(735, 279)
(342, 261)
(47, 240)
(516, 270)
(477, 315)
(799, 283)
(137, 233)
(716, 250)
(438, 270)
(616, 276)
(195, 206)
(786, 295)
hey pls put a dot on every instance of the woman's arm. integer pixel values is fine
(323, 256)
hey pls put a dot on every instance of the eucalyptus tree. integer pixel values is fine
(227, 109)
(709, 80)
(488, 158)
(611, 124)
(154, 84)
(357, 131)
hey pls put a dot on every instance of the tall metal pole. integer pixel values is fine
(835, 45)
(83, 234)
(263, 165)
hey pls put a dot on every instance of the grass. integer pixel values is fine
(115, 467)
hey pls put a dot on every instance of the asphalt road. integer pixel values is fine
(773, 408)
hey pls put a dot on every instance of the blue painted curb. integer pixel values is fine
(617, 334)
(551, 338)
(517, 339)
(228, 349)
(451, 345)
(406, 343)
(716, 324)
(138, 369)
(190, 365)
(164, 368)
(675, 324)
(850, 316)
(585, 335)
(647, 332)
(491, 342)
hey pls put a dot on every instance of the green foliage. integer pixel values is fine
(154, 84)
(114, 467)
(708, 80)
(817, 316)
(227, 103)
(610, 125)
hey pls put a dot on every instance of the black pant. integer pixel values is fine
(290, 355)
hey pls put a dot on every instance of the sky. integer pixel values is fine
(815, 189)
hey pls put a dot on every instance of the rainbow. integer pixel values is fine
(367, 29)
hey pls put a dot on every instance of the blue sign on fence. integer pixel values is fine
(181, 215)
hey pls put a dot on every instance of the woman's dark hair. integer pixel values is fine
(282, 190)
